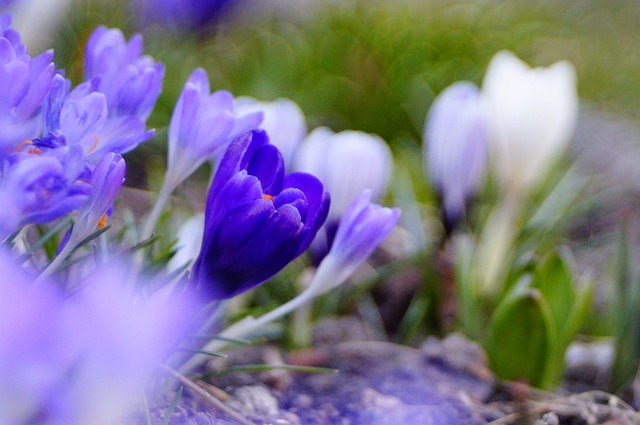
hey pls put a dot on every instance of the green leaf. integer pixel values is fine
(554, 279)
(627, 316)
(521, 336)
(579, 312)
(567, 331)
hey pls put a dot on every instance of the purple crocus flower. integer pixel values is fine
(201, 127)
(85, 357)
(24, 83)
(105, 181)
(40, 188)
(363, 228)
(32, 360)
(257, 219)
(131, 82)
(456, 147)
(81, 118)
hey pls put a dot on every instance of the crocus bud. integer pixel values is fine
(283, 121)
(131, 82)
(363, 228)
(257, 219)
(202, 126)
(456, 146)
(532, 116)
(106, 180)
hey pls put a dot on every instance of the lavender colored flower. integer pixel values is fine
(283, 121)
(81, 118)
(32, 360)
(131, 82)
(24, 83)
(40, 188)
(105, 181)
(455, 141)
(363, 228)
(201, 127)
(118, 337)
(83, 358)
(257, 219)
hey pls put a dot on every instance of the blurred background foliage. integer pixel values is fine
(376, 65)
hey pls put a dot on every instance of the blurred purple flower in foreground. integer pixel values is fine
(455, 140)
(85, 358)
(257, 219)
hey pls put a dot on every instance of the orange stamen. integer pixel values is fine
(102, 222)
(22, 145)
(267, 197)
(95, 145)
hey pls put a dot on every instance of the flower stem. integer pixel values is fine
(57, 261)
(154, 215)
(327, 276)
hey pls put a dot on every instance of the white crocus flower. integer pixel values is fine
(283, 121)
(347, 163)
(532, 116)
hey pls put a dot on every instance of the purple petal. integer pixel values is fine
(238, 190)
(268, 166)
(236, 158)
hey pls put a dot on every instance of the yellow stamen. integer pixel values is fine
(267, 197)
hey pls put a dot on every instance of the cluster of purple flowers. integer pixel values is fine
(55, 137)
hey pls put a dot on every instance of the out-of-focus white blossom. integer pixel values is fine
(347, 163)
(283, 121)
(532, 116)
